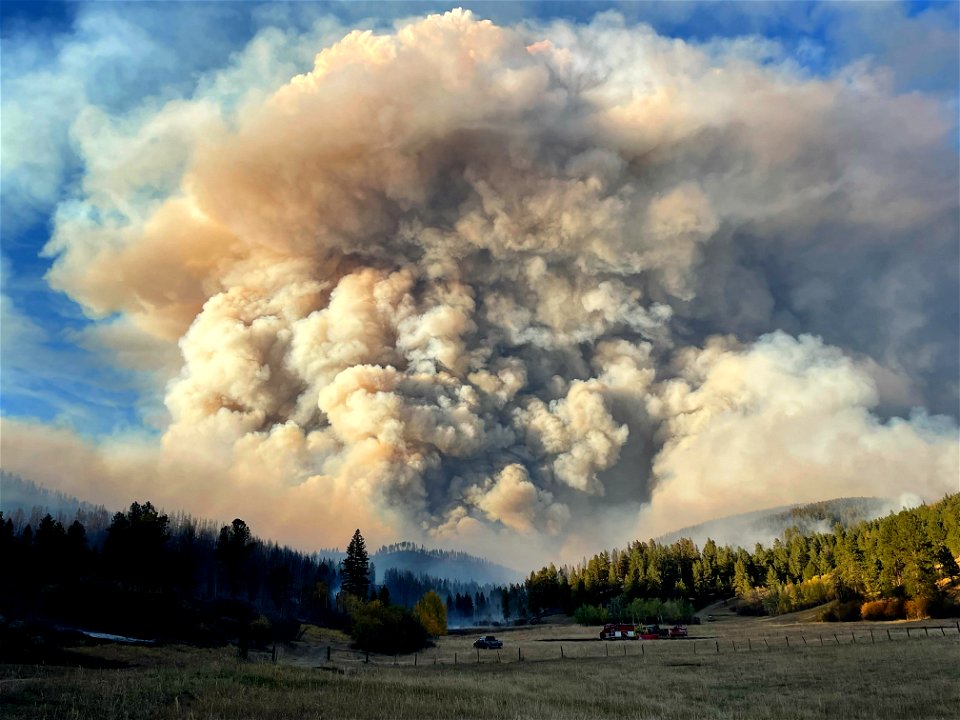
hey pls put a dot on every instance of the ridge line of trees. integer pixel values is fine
(907, 558)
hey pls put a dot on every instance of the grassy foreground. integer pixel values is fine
(916, 679)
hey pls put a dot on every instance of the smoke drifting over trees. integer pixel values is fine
(559, 283)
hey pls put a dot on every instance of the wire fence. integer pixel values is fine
(595, 649)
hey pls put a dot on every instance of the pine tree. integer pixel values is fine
(235, 547)
(356, 568)
(742, 583)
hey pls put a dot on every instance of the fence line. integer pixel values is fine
(580, 650)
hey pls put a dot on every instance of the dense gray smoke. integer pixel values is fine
(568, 284)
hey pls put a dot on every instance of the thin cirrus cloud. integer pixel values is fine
(552, 281)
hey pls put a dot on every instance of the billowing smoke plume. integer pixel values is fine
(476, 284)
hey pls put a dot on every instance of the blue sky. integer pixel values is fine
(120, 56)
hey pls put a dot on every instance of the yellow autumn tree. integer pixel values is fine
(432, 613)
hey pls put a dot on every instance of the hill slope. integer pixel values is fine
(762, 526)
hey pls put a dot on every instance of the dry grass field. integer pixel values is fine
(730, 668)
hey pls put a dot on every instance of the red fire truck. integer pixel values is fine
(619, 631)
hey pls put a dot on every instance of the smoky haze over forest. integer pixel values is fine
(529, 290)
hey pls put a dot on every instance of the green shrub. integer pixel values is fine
(591, 615)
(677, 611)
(750, 605)
(945, 608)
(645, 610)
(386, 629)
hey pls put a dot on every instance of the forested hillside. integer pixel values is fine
(764, 526)
(890, 567)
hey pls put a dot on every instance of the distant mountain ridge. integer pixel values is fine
(29, 502)
(447, 564)
(763, 526)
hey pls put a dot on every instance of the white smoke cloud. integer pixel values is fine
(458, 281)
(790, 419)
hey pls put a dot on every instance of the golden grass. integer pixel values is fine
(917, 678)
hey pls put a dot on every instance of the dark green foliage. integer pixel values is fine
(837, 611)
(356, 568)
(235, 547)
(386, 629)
(136, 548)
(651, 610)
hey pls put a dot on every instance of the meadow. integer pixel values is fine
(731, 668)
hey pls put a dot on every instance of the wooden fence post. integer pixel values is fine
(804, 638)
(643, 651)
(749, 645)
(478, 656)
(624, 649)
(821, 639)
(787, 639)
(942, 631)
(836, 638)
(926, 631)
(328, 653)
(872, 639)
(519, 656)
(561, 652)
(854, 637)
(766, 643)
(415, 659)
(454, 658)
(718, 646)
(607, 649)
(888, 634)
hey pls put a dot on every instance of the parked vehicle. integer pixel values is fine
(615, 631)
(621, 631)
(487, 642)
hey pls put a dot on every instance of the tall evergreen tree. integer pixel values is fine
(235, 547)
(356, 568)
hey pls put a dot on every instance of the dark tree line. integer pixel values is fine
(466, 602)
(148, 573)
